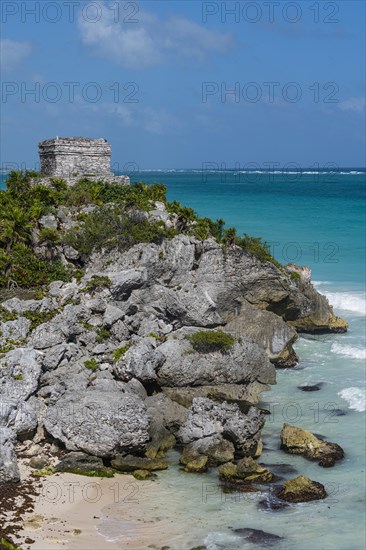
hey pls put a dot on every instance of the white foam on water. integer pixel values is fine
(356, 397)
(349, 351)
(114, 529)
(348, 301)
(221, 541)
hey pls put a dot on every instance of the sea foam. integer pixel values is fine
(349, 351)
(347, 301)
(356, 397)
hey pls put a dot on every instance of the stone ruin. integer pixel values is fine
(77, 157)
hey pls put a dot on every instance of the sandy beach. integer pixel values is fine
(79, 512)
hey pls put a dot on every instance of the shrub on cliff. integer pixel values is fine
(22, 267)
(209, 341)
(119, 223)
(139, 195)
(110, 227)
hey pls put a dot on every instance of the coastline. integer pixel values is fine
(69, 509)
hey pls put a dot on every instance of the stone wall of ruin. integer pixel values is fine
(71, 157)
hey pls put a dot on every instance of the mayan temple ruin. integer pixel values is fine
(72, 158)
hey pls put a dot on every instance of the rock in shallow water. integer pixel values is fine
(301, 489)
(257, 536)
(313, 387)
(297, 441)
(246, 470)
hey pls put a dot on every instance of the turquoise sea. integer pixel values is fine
(316, 219)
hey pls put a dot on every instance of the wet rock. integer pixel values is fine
(338, 412)
(246, 470)
(298, 441)
(301, 489)
(131, 463)
(197, 465)
(143, 474)
(281, 469)
(257, 536)
(272, 504)
(215, 448)
(313, 387)
(80, 462)
(160, 443)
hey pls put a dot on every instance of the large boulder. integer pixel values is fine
(298, 441)
(247, 470)
(207, 418)
(301, 489)
(245, 362)
(99, 424)
(82, 463)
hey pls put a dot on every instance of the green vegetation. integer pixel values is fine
(295, 276)
(39, 317)
(119, 353)
(91, 364)
(159, 337)
(106, 472)
(47, 471)
(10, 345)
(6, 315)
(109, 227)
(209, 341)
(6, 544)
(97, 282)
(117, 221)
(18, 376)
(102, 334)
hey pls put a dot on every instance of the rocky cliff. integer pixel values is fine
(161, 343)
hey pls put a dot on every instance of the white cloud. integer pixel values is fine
(356, 104)
(151, 41)
(12, 53)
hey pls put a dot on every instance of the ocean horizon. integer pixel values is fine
(321, 224)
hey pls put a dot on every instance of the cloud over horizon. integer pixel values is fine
(152, 41)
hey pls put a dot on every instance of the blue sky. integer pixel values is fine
(154, 78)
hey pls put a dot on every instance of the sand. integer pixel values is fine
(78, 512)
